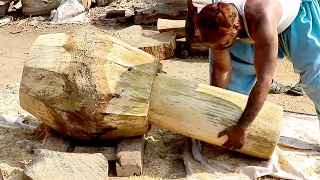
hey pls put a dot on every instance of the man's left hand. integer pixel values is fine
(236, 136)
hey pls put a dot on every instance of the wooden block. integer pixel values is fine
(177, 26)
(116, 13)
(39, 7)
(103, 2)
(160, 45)
(148, 11)
(108, 152)
(130, 156)
(52, 165)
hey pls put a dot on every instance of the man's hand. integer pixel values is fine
(236, 136)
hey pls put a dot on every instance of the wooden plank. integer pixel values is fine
(201, 111)
(160, 45)
(108, 152)
(130, 156)
(52, 165)
(88, 85)
(177, 26)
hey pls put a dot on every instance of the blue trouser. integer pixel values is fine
(300, 42)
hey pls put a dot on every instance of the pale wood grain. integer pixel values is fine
(177, 26)
(201, 111)
(88, 85)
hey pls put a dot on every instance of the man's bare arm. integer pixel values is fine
(222, 69)
(266, 49)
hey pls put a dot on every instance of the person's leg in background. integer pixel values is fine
(303, 44)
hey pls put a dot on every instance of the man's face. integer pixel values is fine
(217, 41)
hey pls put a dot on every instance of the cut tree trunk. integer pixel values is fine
(177, 26)
(148, 11)
(160, 45)
(39, 7)
(92, 86)
(201, 112)
(88, 85)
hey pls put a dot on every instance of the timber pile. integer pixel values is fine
(89, 85)
(160, 45)
(178, 27)
(148, 11)
(186, 29)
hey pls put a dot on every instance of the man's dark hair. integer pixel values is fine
(219, 17)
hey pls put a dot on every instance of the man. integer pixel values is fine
(246, 37)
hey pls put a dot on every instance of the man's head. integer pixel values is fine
(219, 25)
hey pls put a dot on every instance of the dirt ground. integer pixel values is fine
(163, 151)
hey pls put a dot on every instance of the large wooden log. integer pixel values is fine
(201, 112)
(88, 85)
(92, 86)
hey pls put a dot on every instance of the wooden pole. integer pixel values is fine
(201, 111)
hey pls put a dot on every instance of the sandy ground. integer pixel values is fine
(163, 151)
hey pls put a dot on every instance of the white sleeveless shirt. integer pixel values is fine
(290, 9)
